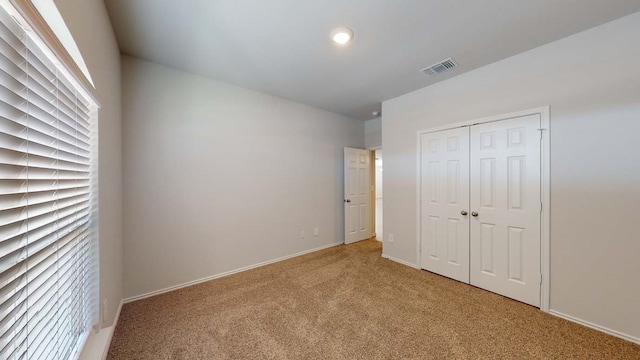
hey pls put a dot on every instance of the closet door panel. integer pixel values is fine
(505, 207)
(444, 189)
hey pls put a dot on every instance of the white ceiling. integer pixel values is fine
(282, 47)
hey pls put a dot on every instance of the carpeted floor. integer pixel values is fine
(348, 303)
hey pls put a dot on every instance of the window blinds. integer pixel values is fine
(48, 244)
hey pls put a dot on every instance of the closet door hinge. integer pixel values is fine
(540, 278)
(541, 133)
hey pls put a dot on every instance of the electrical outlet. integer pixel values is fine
(301, 234)
(391, 239)
(316, 231)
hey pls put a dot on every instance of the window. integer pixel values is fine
(48, 201)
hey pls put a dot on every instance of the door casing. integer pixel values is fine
(545, 195)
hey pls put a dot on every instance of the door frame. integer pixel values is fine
(372, 186)
(545, 196)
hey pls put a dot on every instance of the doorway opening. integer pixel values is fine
(378, 195)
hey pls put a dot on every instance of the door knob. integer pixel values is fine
(463, 212)
(347, 200)
(474, 214)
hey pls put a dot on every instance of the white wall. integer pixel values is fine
(90, 26)
(218, 177)
(373, 133)
(592, 83)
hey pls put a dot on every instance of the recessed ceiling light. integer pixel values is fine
(341, 35)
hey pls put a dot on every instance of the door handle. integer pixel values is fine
(347, 200)
(463, 212)
(474, 214)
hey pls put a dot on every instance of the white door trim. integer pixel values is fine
(545, 217)
(545, 168)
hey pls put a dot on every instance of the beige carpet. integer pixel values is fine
(348, 303)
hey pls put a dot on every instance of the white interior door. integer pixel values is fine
(506, 207)
(356, 195)
(444, 173)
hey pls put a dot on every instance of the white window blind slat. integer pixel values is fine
(70, 113)
(45, 134)
(68, 91)
(19, 201)
(41, 110)
(17, 348)
(43, 157)
(65, 268)
(15, 225)
(13, 269)
(18, 228)
(11, 272)
(9, 68)
(37, 114)
(14, 305)
(14, 52)
(18, 317)
(12, 151)
(44, 225)
(36, 338)
(15, 248)
(8, 186)
(67, 100)
(41, 79)
(39, 119)
(8, 172)
(44, 350)
(9, 37)
(9, 80)
(42, 247)
(47, 276)
(47, 203)
(41, 90)
(44, 210)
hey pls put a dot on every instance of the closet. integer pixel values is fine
(480, 205)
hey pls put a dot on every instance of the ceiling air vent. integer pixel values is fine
(439, 68)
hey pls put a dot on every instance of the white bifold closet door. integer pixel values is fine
(480, 189)
(445, 201)
(505, 193)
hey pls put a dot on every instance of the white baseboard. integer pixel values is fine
(227, 273)
(406, 263)
(98, 343)
(596, 327)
